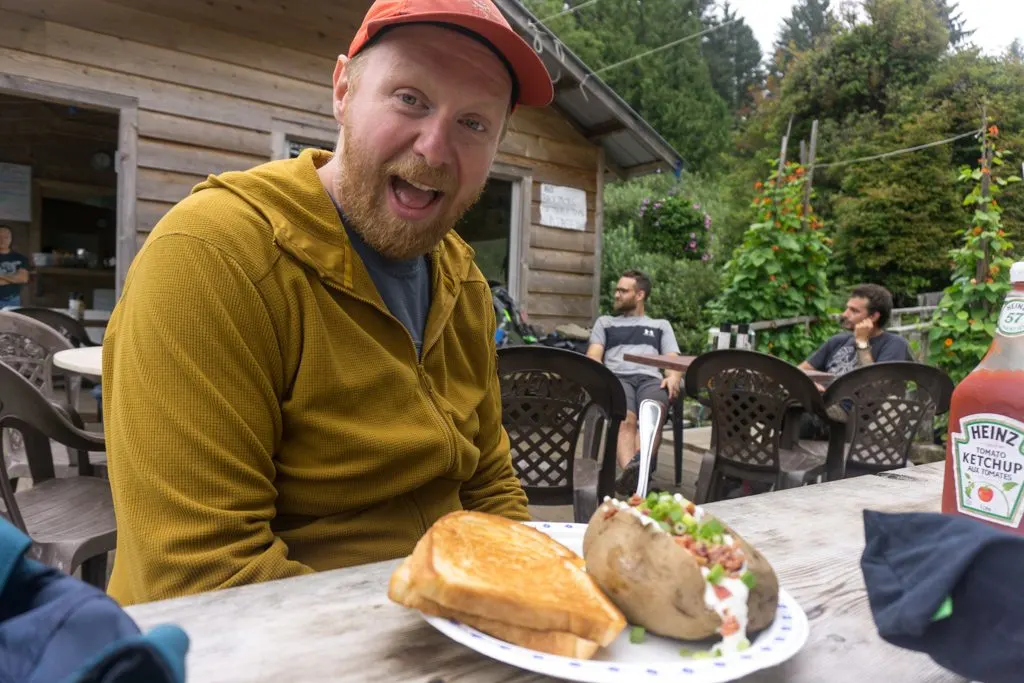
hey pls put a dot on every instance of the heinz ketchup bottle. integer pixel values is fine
(985, 455)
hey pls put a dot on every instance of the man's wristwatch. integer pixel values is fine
(863, 346)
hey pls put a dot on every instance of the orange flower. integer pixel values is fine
(993, 131)
(970, 321)
(977, 230)
(800, 171)
(775, 247)
(1001, 233)
(772, 278)
(758, 185)
(949, 342)
(989, 280)
(994, 270)
(986, 171)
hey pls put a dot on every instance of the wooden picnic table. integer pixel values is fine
(682, 363)
(340, 626)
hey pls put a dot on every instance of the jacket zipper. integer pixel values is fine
(421, 372)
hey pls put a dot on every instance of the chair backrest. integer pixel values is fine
(886, 403)
(730, 336)
(25, 410)
(28, 346)
(69, 328)
(749, 394)
(545, 394)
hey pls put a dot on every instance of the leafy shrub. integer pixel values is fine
(780, 271)
(966, 319)
(675, 226)
(680, 288)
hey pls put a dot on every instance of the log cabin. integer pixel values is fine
(112, 110)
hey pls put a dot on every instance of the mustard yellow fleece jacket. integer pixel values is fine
(266, 416)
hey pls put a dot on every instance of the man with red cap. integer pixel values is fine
(301, 372)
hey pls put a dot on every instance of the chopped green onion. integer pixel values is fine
(652, 499)
(748, 579)
(743, 645)
(686, 653)
(665, 527)
(702, 654)
(675, 514)
(679, 528)
(689, 520)
(711, 528)
(716, 574)
(716, 652)
(637, 635)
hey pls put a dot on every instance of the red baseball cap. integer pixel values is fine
(532, 82)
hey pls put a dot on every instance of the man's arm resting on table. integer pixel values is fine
(673, 379)
(494, 487)
(192, 415)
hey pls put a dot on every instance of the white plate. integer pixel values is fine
(656, 659)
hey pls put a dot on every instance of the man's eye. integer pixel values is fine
(408, 99)
(473, 124)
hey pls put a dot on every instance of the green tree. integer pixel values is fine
(734, 57)
(671, 89)
(809, 22)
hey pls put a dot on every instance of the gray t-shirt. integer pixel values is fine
(637, 334)
(838, 355)
(403, 285)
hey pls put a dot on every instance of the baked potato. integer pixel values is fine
(679, 572)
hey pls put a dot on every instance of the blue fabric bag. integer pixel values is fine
(948, 586)
(57, 629)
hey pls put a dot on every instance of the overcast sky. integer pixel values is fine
(997, 22)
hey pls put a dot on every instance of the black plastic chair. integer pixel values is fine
(756, 401)
(69, 328)
(70, 521)
(884, 405)
(547, 395)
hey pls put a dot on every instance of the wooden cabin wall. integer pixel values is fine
(213, 83)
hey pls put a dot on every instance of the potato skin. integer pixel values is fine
(658, 585)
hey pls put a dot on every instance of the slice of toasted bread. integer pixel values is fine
(490, 567)
(402, 591)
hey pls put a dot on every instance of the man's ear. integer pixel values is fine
(341, 87)
(875, 317)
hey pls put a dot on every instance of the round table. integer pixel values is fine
(86, 361)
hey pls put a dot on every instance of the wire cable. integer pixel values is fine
(906, 150)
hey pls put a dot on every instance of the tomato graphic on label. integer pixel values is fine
(985, 494)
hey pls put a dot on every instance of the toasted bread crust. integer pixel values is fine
(513, 580)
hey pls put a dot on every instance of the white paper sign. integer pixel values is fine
(563, 207)
(15, 192)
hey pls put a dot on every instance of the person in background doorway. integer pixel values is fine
(13, 270)
(631, 331)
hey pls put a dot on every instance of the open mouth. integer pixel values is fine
(413, 196)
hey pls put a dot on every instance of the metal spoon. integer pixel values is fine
(649, 417)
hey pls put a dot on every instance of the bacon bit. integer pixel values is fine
(646, 513)
(701, 561)
(610, 512)
(635, 500)
(722, 592)
(730, 626)
(691, 508)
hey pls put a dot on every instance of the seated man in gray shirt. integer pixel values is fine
(631, 331)
(864, 342)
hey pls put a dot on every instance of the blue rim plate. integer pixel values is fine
(656, 659)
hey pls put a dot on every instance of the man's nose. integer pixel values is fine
(433, 142)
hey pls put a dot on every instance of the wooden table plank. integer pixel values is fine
(682, 363)
(340, 626)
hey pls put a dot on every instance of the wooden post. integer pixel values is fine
(981, 270)
(809, 171)
(782, 152)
